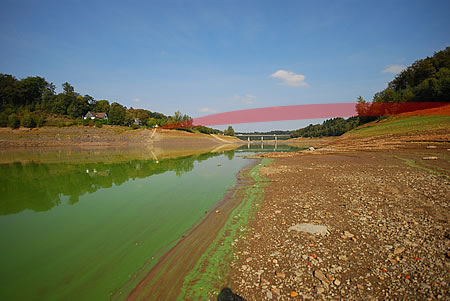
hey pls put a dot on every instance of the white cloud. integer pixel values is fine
(290, 78)
(394, 69)
(247, 99)
(136, 99)
(207, 110)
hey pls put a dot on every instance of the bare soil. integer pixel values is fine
(107, 136)
(386, 209)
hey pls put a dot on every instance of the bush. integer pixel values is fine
(28, 120)
(98, 123)
(135, 126)
(185, 130)
(39, 120)
(3, 119)
(13, 121)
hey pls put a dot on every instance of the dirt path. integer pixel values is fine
(220, 139)
(387, 218)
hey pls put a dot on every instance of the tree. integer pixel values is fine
(90, 101)
(3, 119)
(30, 90)
(28, 120)
(68, 88)
(78, 108)
(229, 131)
(102, 106)
(117, 114)
(362, 107)
(13, 121)
(425, 80)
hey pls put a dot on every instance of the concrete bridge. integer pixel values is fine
(261, 136)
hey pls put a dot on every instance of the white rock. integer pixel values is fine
(309, 228)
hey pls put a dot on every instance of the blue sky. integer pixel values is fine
(202, 57)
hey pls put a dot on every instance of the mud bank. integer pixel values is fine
(107, 136)
(198, 266)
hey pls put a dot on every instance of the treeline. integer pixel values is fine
(426, 80)
(330, 127)
(31, 101)
(286, 135)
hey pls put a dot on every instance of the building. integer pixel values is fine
(137, 121)
(95, 115)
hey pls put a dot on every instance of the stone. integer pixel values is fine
(276, 253)
(281, 275)
(319, 275)
(348, 235)
(276, 291)
(309, 228)
(337, 282)
(430, 158)
(398, 251)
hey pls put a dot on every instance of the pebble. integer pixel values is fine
(398, 213)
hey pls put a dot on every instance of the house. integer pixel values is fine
(137, 121)
(95, 115)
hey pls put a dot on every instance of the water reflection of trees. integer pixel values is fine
(40, 187)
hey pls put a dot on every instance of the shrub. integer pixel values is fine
(39, 120)
(98, 123)
(13, 121)
(28, 120)
(3, 119)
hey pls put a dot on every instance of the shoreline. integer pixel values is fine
(105, 137)
(164, 283)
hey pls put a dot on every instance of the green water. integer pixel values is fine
(89, 231)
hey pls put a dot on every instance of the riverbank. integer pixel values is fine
(198, 265)
(385, 204)
(104, 137)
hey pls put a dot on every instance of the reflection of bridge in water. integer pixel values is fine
(261, 147)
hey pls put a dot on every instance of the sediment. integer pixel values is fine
(387, 218)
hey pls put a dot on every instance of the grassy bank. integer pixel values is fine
(400, 125)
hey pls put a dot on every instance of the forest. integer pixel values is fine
(33, 102)
(426, 80)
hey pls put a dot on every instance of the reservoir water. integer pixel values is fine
(74, 230)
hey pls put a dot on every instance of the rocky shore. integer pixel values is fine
(385, 227)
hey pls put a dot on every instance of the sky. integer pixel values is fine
(204, 57)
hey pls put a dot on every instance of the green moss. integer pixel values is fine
(413, 163)
(210, 272)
